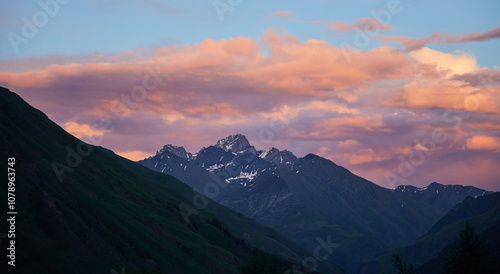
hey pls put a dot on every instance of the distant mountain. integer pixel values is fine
(178, 151)
(316, 198)
(443, 197)
(232, 160)
(430, 250)
(306, 199)
(83, 209)
(237, 143)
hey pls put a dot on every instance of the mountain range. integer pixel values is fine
(229, 208)
(83, 209)
(310, 199)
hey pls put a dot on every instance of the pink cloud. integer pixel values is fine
(361, 114)
(284, 14)
(411, 44)
(370, 24)
(348, 143)
(449, 94)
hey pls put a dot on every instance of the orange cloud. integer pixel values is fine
(483, 143)
(451, 64)
(82, 130)
(364, 156)
(449, 95)
(135, 155)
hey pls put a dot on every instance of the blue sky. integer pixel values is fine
(93, 27)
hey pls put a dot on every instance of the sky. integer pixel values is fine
(398, 92)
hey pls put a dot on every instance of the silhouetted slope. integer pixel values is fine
(108, 212)
(483, 214)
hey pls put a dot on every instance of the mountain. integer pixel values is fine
(237, 143)
(442, 197)
(81, 208)
(316, 198)
(309, 199)
(232, 160)
(430, 250)
(277, 157)
(178, 151)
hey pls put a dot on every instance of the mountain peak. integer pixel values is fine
(234, 143)
(179, 151)
(311, 156)
(434, 184)
(280, 158)
(268, 152)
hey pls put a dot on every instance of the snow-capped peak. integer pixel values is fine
(179, 151)
(267, 152)
(234, 143)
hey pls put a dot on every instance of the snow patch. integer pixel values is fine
(265, 153)
(214, 167)
(244, 175)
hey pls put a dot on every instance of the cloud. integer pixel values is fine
(355, 156)
(450, 63)
(367, 24)
(284, 14)
(348, 143)
(134, 155)
(303, 96)
(420, 147)
(411, 44)
(448, 94)
(82, 130)
(483, 143)
(480, 78)
(364, 156)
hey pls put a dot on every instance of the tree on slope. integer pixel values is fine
(471, 255)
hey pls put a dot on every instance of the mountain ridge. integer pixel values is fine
(365, 219)
(438, 195)
(109, 213)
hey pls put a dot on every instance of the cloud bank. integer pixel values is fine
(306, 97)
